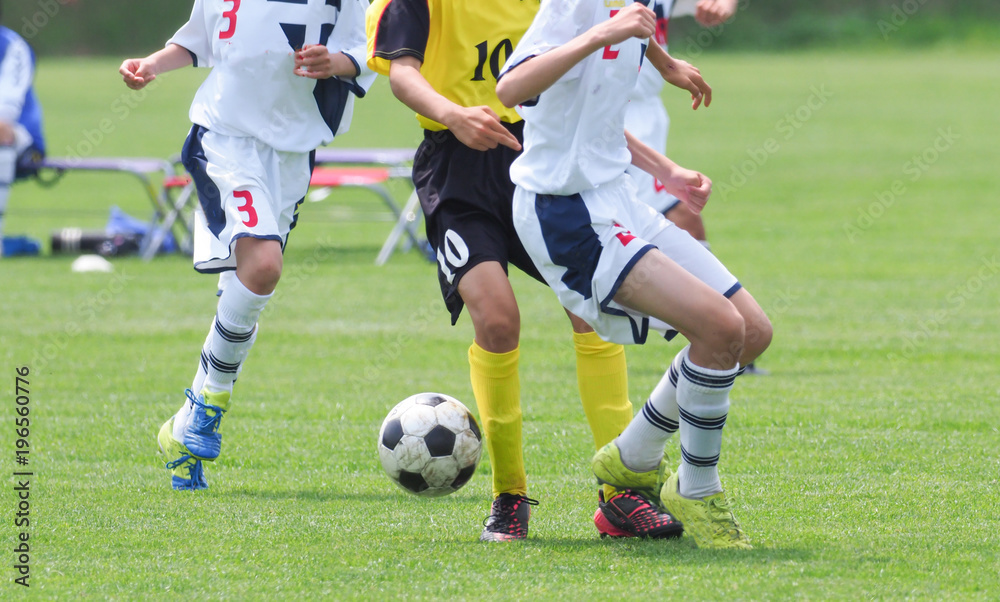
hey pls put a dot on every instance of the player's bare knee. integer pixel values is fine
(497, 332)
(579, 324)
(261, 275)
(759, 333)
(726, 338)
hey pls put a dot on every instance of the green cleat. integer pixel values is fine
(187, 471)
(709, 520)
(610, 470)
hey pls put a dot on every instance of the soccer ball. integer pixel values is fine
(429, 444)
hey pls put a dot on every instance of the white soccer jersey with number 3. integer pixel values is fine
(574, 132)
(252, 91)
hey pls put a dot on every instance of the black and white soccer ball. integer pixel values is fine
(430, 444)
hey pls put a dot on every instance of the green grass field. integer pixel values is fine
(855, 197)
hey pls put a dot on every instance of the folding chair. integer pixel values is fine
(373, 179)
(143, 168)
(393, 164)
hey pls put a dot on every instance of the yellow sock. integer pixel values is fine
(602, 376)
(497, 388)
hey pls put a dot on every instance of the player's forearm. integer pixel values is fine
(534, 76)
(343, 66)
(170, 58)
(648, 159)
(659, 59)
(414, 91)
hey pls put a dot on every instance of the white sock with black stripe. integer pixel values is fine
(641, 443)
(703, 402)
(181, 418)
(232, 334)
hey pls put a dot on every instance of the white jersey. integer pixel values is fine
(252, 90)
(574, 133)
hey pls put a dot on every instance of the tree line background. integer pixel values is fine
(137, 27)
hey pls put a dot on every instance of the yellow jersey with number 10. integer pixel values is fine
(463, 44)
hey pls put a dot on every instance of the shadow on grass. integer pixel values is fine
(330, 495)
(681, 551)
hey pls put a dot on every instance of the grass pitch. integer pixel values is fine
(855, 197)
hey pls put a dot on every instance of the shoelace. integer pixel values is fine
(504, 509)
(719, 509)
(208, 423)
(175, 463)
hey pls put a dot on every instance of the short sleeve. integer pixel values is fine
(349, 37)
(557, 22)
(396, 28)
(194, 37)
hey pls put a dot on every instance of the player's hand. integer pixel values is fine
(480, 129)
(714, 12)
(691, 187)
(686, 76)
(633, 21)
(137, 73)
(314, 61)
(6, 134)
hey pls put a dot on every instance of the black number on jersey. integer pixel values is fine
(504, 47)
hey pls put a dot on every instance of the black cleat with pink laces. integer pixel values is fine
(508, 519)
(628, 514)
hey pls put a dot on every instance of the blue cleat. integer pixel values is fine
(186, 470)
(201, 433)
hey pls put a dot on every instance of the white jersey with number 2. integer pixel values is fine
(574, 136)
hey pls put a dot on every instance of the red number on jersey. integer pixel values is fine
(247, 206)
(231, 15)
(610, 55)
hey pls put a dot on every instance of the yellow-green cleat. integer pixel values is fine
(186, 470)
(709, 520)
(610, 470)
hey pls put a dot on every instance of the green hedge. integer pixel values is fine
(783, 24)
(136, 27)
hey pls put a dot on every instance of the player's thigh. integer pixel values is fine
(487, 291)
(659, 287)
(489, 297)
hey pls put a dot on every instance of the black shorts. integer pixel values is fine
(466, 196)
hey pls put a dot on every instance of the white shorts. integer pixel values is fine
(246, 189)
(585, 244)
(647, 120)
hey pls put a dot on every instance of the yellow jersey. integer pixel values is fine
(462, 44)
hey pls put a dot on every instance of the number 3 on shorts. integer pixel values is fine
(247, 207)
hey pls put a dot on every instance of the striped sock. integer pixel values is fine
(232, 335)
(641, 444)
(703, 402)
